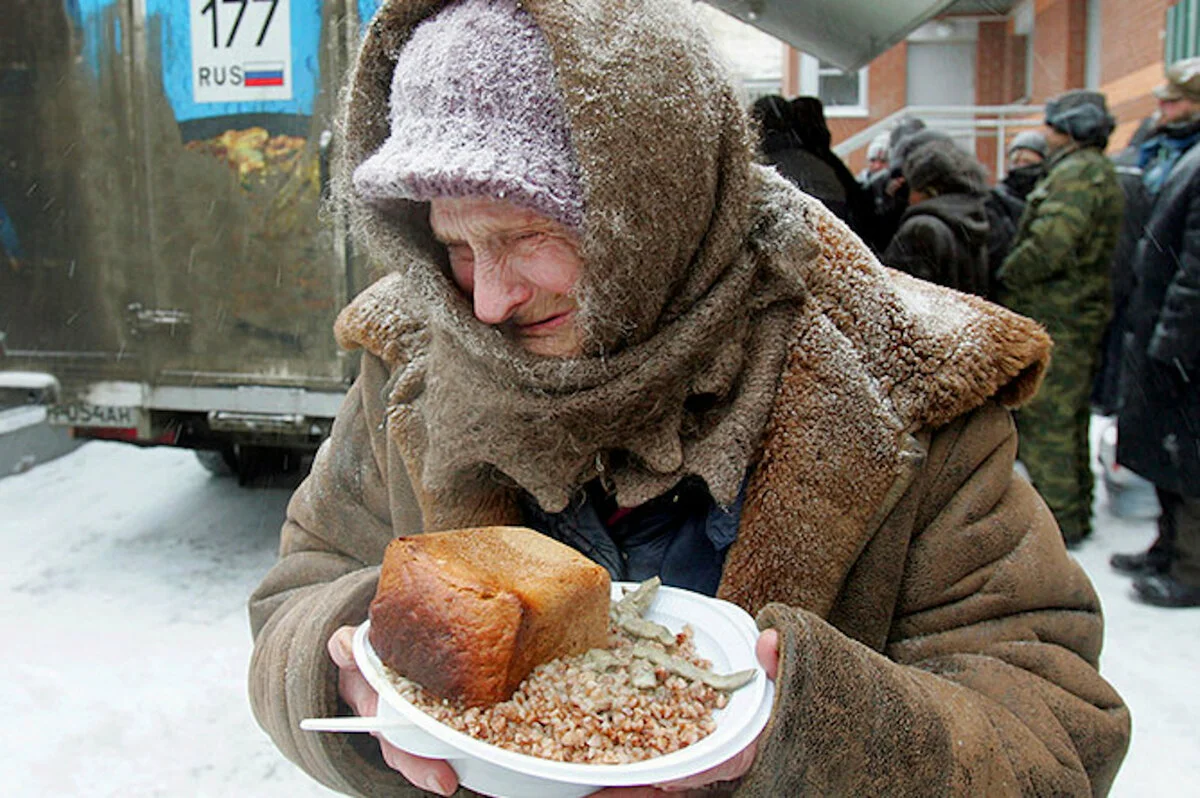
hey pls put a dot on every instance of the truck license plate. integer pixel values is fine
(82, 414)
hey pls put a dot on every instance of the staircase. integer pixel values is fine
(966, 123)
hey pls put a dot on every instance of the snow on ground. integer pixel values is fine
(122, 604)
(123, 609)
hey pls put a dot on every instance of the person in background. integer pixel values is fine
(1026, 166)
(681, 365)
(1105, 395)
(1001, 230)
(808, 115)
(1058, 273)
(877, 161)
(1158, 421)
(795, 155)
(1006, 201)
(889, 194)
(943, 235)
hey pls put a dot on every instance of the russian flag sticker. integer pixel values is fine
(264, 73)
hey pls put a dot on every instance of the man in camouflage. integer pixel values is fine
(1057, 273)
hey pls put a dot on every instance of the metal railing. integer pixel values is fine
(989, 121)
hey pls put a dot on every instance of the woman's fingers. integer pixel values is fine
(430, 774)
(353, 688)
(729, 770)
(767, 650)
(341, 647)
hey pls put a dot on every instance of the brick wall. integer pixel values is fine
(1132, 59)
(1131, 52)
(1014, 67)
(991, 84)
(1059, 47)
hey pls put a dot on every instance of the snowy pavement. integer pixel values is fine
(122, 604)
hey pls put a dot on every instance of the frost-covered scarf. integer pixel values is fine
(686, 319)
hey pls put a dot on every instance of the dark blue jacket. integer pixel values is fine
(681, 536)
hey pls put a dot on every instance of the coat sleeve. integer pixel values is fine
(338, 523)
(988, 681)
(1175, 336)
(1048, 242)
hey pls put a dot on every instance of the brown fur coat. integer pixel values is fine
(937, 639)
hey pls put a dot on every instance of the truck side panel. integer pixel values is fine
(163, 210)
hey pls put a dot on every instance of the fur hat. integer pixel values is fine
(475, 112)
(907, 126)
(940, 167)
(1083, 115)
(905, 146)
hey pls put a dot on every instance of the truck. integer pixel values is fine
(168, 275)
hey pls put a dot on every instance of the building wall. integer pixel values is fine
(1132, 59)
(993, 79)
(1059, 47)
(1130, 53)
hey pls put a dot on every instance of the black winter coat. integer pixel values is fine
(1002, 229)
(944, 240)
(807, 170)
(1106, 389)
(1159, 422)
(822, 174)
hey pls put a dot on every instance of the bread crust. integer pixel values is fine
(468, 614)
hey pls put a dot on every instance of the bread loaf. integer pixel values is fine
(468, 614)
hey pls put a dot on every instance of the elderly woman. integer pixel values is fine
(606, 323)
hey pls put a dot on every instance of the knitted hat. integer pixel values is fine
(475, 112)
(1082, 115)
(878, 148)
(1029, 140)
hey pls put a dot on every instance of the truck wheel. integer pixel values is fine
(218, 462)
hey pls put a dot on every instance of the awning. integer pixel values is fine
(847, 33)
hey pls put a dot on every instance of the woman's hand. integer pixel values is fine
(767, 650)
(428, 774)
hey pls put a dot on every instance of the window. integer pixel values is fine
(1182, 36)
(843, 93)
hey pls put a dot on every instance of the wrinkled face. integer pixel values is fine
(517, 266)
(1176, 110)
(1055, 139)
(1023, 157)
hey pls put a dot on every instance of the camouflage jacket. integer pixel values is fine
(1058, 269)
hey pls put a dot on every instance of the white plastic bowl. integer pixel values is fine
(723, 633)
